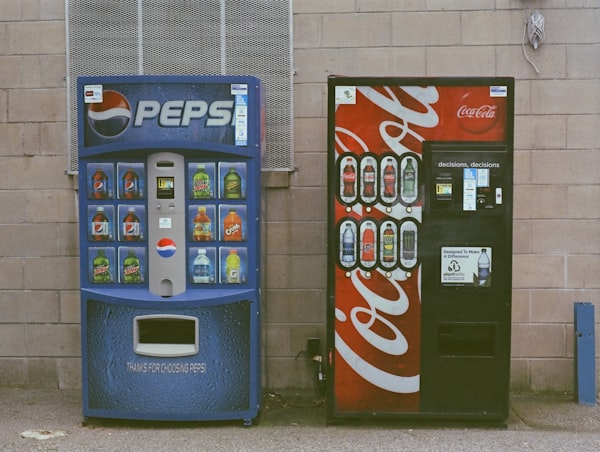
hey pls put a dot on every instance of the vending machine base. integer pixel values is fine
(189, 360)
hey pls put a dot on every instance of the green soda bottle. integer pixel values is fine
(232, 185)
(101, 268)
(201, 183)
(131, 269)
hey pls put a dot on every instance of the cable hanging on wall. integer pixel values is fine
(534, 29)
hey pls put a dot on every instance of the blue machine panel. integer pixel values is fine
(169, 206)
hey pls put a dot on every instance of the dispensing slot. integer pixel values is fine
(165, 335)
(467, 339)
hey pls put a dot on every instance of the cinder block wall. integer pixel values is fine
(557, 157)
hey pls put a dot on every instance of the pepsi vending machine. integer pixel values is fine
(169, 207)
(420, 251)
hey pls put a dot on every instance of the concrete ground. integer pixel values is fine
(42, 420)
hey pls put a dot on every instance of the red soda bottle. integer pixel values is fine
(368, 245)
(131, 185)
(349, 179)
(131, 226)
(389, 180)
(99, 185)
(369, 180)
(100, 226)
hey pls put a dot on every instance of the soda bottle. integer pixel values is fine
(232, 268)
(408, 244)
(100, 226)
(349, 179)
(202, 226)
(201, 183)
(131, 226)
(99, 185)
(232, 227)
(131, 185)
(388, 244)
(201, 267)
(483, 268)
(232, 185)
(101, 268)
(348, 245)
(409, 176)
(368, 245)
(389, 179)
(131, 269)
(369, 179)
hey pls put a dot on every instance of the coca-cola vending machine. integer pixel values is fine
(420, 247)
(170, 207)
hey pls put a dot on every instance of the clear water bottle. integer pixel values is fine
(201, 266)
(483, 268)
(348, 241)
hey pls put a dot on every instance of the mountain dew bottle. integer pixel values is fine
(131, 269)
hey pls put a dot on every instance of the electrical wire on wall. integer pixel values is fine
(534, 29)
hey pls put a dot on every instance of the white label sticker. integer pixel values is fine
(92, 94)
(345, 95)
(164, 223)
(498, 91)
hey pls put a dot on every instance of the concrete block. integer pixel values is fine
(301, 272)
(540, 132)
(70, 306)
(552, 375)
(51, 206)
(42, 373)
(58, 273)
(295, 306)
(458, 61)
(13, 373)
(27, 306)
(310, 135)
(51, 340)
(520, 306)
(426, 29)
(538, 340)
(53, 140)
(582, 201)
(538, 270)
(357, 30)
(583, 131)
(296, 238)
(552, 306)
(11, 274)
(310, 100)
(18, 139)
(565, 167)
(540, 201)
(28, 240)
(389, 5)
(307, 31)
(13, 205)
(36, 37)
(311, 170)
(521, 237)
(583, 271)
(552, 97)
(298, 204)
(13, 340)
(69, 373)
(390, 62)
(565, 236)
(37, 105)
(319, 6)
(519, 376)
(549, 59)
(488, 27)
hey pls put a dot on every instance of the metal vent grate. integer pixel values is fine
(225, 37)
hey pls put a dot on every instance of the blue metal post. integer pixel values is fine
(585, 356)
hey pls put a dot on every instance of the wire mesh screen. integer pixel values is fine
(204, 37)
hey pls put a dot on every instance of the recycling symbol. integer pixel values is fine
(454, 266)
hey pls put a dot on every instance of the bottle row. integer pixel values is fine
(127, 265)
(370, 243)
(127, 223)
(205, 180)
(387, 178)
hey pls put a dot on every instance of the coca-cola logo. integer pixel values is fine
(476, 113)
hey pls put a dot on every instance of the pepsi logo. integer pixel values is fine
(477, 113)
(110, 117)
(166, 247)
